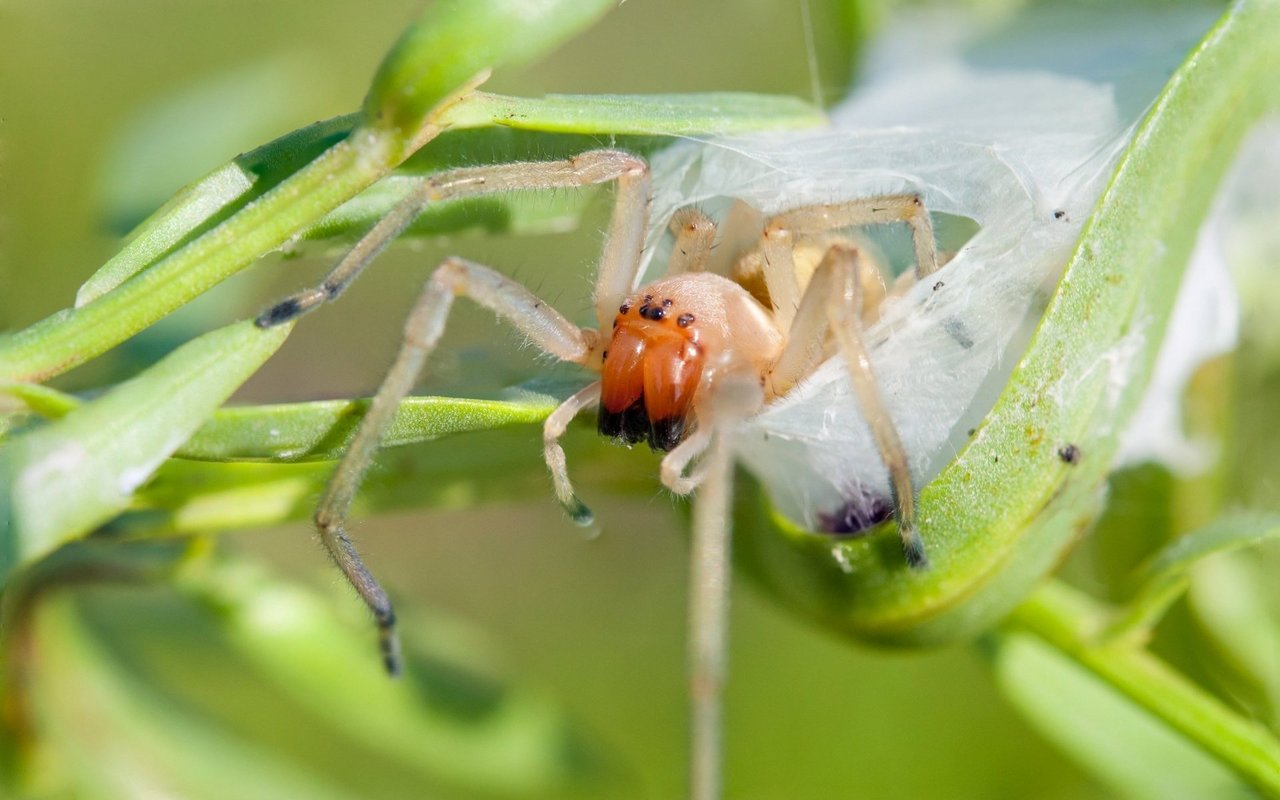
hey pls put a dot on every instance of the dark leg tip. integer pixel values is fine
(579, 513)
(280, 313)
(391, 658)
(913, 549)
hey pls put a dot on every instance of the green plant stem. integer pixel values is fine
(1071, 622)
(72, 337)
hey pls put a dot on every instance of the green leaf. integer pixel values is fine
(19, 398)
(321, 430)
(665, 114)
(1125, 746)
(498, 466)
(456, 42)
(62, 480)
(1165, 576)
(196, 207)
(1001, 515)
(73, 336)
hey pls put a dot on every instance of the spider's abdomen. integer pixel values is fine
(651, 371)
(664, 339)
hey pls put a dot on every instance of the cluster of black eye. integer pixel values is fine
(657, 313)
(652, 312)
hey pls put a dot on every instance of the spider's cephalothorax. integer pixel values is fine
(667, 341)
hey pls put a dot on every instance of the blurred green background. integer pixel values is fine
(597, 623)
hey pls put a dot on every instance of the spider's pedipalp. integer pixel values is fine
(677, 461)
(552, 430)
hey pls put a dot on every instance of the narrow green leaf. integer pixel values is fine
(1231, 531)
(36, 399)
(73, 336)
(321, 430)
(1165, 576)
(60, 481)
(455, 42)
(666, 114)
(1126, 747)
(197, 205)
(498, 466)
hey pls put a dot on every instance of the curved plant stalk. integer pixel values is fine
(1002, 514)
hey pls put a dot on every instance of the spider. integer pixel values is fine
(680, 361)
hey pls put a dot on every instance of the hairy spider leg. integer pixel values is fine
(840, 268)
(832, 304)
(695, 235)
(804, 347)
(618, 264)
(736, 396)
(674, 463)
(777, 244)
(545, 327)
